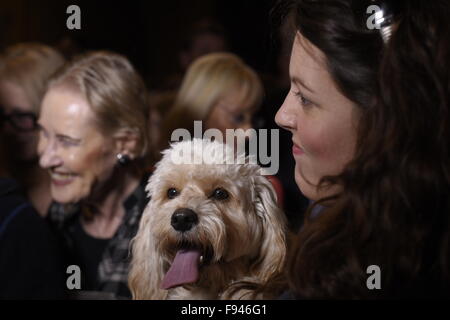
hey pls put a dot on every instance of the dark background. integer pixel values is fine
(147, 32)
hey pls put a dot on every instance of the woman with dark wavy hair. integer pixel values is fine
(369, 114)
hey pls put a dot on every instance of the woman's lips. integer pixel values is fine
(61, 179)
(296, 150)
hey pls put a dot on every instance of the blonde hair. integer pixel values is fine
(114, 91)
(29, 66)
(209, 79)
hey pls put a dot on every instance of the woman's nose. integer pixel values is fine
(49, 156)
(285, 116)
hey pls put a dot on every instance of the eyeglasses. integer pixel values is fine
(24, 121)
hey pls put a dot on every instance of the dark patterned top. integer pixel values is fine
(112, 271)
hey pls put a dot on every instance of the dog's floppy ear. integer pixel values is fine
(146, 269)
(272, 253)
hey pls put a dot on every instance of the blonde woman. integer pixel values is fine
(94, 144)
(223, 92)
(220, 90)
(24, 71)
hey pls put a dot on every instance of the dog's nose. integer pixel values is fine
(183, 219)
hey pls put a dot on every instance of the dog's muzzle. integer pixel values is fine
(183, 219)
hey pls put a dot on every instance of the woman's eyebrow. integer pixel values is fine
(302, 83)
(64, 136)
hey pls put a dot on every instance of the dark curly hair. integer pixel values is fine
(394, 206)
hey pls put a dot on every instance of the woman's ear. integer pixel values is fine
(126, 142)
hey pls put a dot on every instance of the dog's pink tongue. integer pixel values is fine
(184, 269)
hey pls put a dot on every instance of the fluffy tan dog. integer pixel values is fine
(210, 231)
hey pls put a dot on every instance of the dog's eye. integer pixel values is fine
(172, 193)
(220, 194)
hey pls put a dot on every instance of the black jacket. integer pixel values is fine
(30, 261)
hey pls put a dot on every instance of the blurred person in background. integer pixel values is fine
(222, 92)
(204, 37)
(31, 264)
(24, 71)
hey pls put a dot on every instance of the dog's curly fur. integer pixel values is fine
(244, 234)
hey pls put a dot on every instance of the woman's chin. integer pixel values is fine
(64, 200)
(66, 197)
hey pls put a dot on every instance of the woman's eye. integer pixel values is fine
(303, 101)
(172, 193)
(220, 194)
(239, 118)
(68, 142)
(43, 133)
